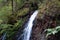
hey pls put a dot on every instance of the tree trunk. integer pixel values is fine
(14, 6)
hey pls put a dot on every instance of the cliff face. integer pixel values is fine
(47, 18)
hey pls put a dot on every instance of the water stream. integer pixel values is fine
(4, 37)
(27, 30)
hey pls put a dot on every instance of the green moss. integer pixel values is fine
(5, 12)
(23, 11)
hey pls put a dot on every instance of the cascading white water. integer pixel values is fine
(4, 37)
(27, 30)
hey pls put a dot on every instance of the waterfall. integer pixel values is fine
(27, 30)
(4, 37)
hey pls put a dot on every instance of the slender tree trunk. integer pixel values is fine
(14, 6)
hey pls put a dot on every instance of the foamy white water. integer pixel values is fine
(28, 29)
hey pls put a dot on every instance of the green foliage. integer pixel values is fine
(52, 31)
(6, 15)
(5, 12)
(13, 29)
(20, 3)
(10, 30)
(1, 1)
(4, 27)
(23, 11)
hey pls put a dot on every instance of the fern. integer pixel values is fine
(52, 31)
